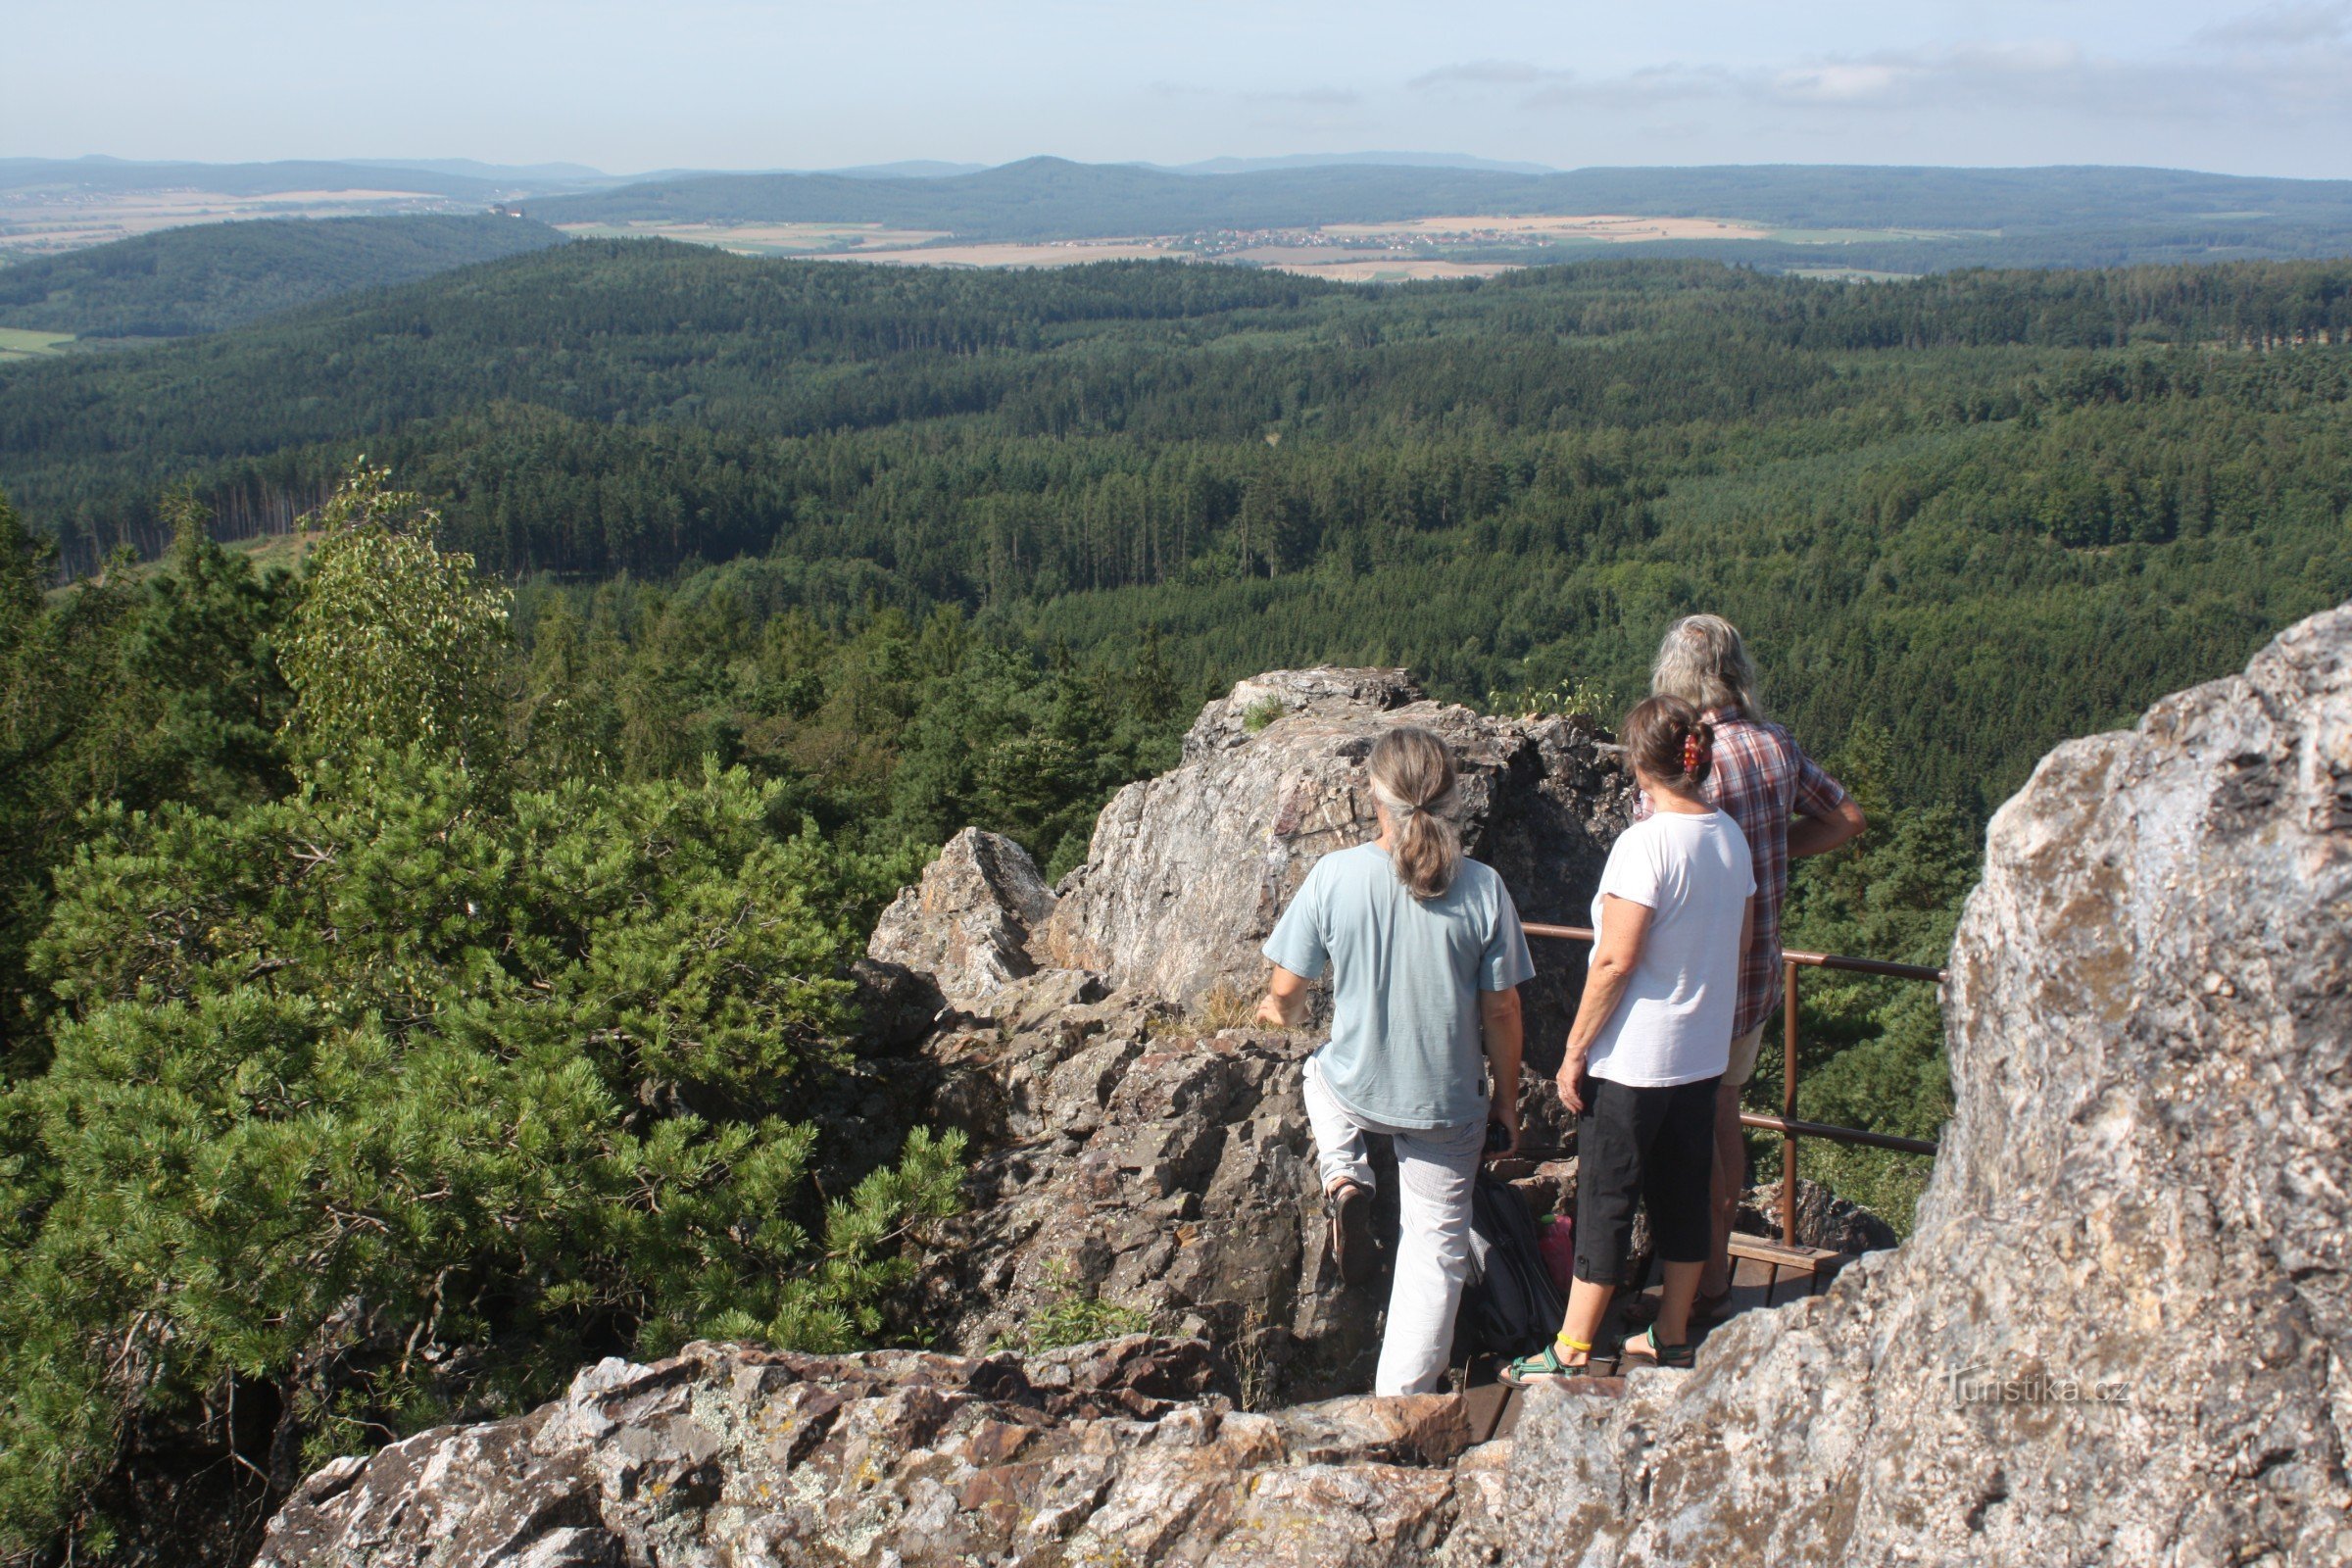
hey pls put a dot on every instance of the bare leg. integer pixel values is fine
(1674, 1302)
(1587, 1304)
(1723, 1196)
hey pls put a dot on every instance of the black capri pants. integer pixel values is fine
(1652, 1144)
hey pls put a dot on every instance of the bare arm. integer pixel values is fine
(1284, 1005)
(1623, 928)
(1819, 835)
(1506, 1032)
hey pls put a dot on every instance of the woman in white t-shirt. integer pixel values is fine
(1651, 1037)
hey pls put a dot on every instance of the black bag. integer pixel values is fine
(1509, 1306)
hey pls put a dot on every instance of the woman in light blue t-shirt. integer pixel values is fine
(1426, 957)
(1653, 1036)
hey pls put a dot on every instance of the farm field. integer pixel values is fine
(861, 241)
(17, 343)
(1451, 245)
(1607, 227)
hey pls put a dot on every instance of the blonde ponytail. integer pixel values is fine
(1413, 779)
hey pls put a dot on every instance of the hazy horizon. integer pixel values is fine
(749, 85)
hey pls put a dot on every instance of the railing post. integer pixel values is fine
(1789, 1102)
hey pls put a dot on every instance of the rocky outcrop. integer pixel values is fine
(1189, 871)
(967, 924)
(727, 1457)
(1136, 1161)
(2118, 1334)
(1148, 1165)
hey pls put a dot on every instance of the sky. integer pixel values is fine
(2221, 85)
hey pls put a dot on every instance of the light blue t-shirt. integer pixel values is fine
(1406, 1047)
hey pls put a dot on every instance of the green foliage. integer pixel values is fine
(1259, 715)
(400, 1097)
(395, 643)
(1074, 1316)
(1873, 1053)
(122, 691)
(1917, 499)
(1575, 696)
(382, 1089)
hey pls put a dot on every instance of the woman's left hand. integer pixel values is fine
(1571, 1080)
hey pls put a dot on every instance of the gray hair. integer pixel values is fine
(1413, 780)
(1703, 661)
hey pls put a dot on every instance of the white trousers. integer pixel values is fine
(1435, 1168)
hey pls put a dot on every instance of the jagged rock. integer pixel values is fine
(1145, 1164)
(1136, 1160)
(896, 1007)
(2117, 1333)
(732, 1458)
(967, 925)
(1188, 873)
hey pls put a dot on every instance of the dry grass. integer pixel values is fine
(1052, 252)
(1398, 271)
(1612, 229)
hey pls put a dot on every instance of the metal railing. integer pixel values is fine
(1786, 1124)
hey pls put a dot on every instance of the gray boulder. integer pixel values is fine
(1188, 873)
(1128, 1452)
(2118, 1332)
(967, 924)
(1149, 1165)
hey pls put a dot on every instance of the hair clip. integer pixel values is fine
(1692, 752)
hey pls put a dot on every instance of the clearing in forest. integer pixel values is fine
(21, 343)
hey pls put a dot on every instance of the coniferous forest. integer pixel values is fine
(417, 970)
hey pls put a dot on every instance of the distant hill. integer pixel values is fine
(1974, 217)
(115, 175)
(907, 168)
(1251, 166)
(213, 276)
(499, 173)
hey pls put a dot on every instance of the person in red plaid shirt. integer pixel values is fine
(1789, 808)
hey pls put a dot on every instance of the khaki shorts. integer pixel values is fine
(1743, 1065)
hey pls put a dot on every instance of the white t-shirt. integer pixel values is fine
(1674, 1023)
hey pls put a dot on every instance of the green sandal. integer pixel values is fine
(1546, 1364)
(1681, 1357)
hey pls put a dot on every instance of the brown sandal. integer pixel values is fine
(1352, 1232)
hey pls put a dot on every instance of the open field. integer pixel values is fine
(1053, 253)
(265, 551)
(1848, 274)
(1451, 245)
(1393, 269)
(45, 221)
(17, 343)
(769, 239)
(1607, 227)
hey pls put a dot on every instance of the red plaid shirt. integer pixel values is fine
(1760, 779)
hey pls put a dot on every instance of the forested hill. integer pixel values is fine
(206, 277)
(1902, 219)
(1928, 500)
